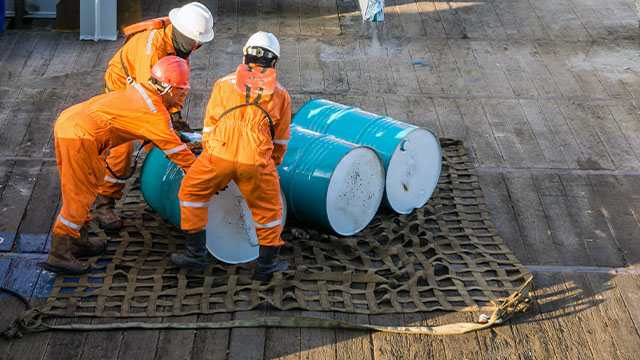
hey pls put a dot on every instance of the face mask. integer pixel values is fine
(183, 44)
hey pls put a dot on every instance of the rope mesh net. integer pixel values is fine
(445, 256)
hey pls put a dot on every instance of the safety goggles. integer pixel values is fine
(260, 52)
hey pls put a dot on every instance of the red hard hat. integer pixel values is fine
(172, 70)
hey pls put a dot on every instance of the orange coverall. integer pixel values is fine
(86, 131)
(140, 52)
(239, 147)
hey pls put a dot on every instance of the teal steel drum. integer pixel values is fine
(331, 183)
(412, 156)
(231, 234)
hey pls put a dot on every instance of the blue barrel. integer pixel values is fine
(412, 156)
(2, 15)
(231, 235)
(331, 183)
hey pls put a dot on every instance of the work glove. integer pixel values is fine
(182, 137)
(195, 147)
(179, 124)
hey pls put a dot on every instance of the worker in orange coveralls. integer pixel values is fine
(183, 31)
(83, 135)
(245, 135)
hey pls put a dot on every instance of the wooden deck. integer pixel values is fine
(544, 93)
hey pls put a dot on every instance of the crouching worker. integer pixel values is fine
(85, 132)
(181, 33)
(245, 135)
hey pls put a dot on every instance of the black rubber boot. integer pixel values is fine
(195, 258)
(267, 264)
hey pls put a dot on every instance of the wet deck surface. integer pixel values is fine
(545, 95)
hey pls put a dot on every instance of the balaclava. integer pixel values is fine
(182, 44)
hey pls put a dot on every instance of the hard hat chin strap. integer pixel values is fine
(161, 87)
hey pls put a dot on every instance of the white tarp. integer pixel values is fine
(372, 10)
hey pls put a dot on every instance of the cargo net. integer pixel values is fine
(445, 256)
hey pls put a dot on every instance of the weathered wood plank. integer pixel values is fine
(176, 344)
(41, 211)
(431, 20)
(480, 135)
(629, 288)
(318, 343)
(468, 67)
(282, 343)
(66, 344)
(562, 227)
(532, 220)
(592, 226)
(247, 343)
(466, 346)
(36, 344)
(543, 134)
(499, 203)
(13, 65)
(565, 78)
(616, 315)
(15, 199)
(451, 123)
(619, 213)
(568, 144)
(582, 127)
(409, 15)
(352, 344)
(390, 345)
(103, 345)
(492, 72)
(329, 20)
(139, 344)
(556, 307)
(211, 344)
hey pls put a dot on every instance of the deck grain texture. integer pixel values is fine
(538, 90)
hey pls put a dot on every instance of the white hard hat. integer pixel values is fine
(264, 40)
(194, 20)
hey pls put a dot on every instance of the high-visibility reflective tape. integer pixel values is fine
(207, 128)
(175, 149)
(230, 77)
(194, 204)
(280, 142)
(150, 41)
(110, 179)
(269, 225)
(145, 97)
(69, 223)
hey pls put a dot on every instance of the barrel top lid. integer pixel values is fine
(413, 171)
(355, 191)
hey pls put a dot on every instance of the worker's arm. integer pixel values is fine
(147, 55)
(166, 140)
(282, 131)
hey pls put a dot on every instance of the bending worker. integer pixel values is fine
(184, 30)
(83, 135)
(245, 135)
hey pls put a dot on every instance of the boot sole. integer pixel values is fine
(64, 271)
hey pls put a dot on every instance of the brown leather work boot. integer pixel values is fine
(86, 246)
(107, 217)
(61, 261)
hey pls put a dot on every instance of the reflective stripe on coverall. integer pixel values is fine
(239, 147)
(86, 131)
(139, 53)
